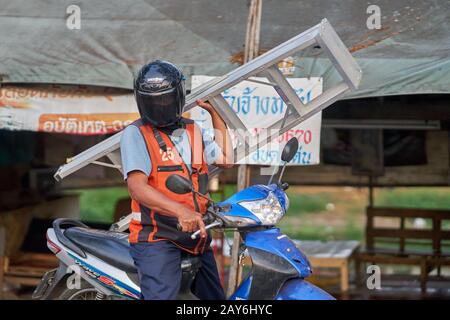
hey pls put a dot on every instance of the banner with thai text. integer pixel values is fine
(82, 110)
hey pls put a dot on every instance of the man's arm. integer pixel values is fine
(150, 197)
(224, 160)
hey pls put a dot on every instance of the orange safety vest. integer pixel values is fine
(148, 225)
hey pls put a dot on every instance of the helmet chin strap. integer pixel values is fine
(167, 130)
(171, 128)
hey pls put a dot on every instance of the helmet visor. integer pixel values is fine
(162, 108)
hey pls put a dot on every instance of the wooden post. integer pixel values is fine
(251, 52)
(2, 260)
(217, 185)
(371, 199)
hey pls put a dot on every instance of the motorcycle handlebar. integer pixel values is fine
(209, 226)
(208, 217)
(211, 214)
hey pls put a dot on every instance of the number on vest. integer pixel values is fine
(166, 155)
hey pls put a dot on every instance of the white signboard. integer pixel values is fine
(258, 106)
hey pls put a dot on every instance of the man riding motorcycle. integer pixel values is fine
(154, 147)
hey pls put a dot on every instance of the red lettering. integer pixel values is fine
(308, 136)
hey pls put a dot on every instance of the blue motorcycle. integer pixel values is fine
(105, 269)
(279, 268)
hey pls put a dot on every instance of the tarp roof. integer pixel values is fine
(410, 54)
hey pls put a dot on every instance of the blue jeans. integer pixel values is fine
(159, 269)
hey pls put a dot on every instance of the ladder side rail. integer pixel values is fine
(318, 104)
(284, 89)
(84, 158)
(339, 55)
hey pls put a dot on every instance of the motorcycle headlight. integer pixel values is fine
(268, 210)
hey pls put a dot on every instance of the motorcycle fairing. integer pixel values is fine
(293, 289)
(255, 192)
(115, 285)
(269, 272)
(275, 260)
(299, 289)
(276, 243)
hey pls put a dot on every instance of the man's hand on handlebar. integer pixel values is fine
(191, 221)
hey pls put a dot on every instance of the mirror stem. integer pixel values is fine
(271, 177)
(275, 172)
(282, 172)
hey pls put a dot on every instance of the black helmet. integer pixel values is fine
(160, 93)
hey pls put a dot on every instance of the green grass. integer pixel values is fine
(427, 198)
(320, 232)
(97, 205)
(230, 189)
(299, 203)
(302, 220)
(307, 203)
(303, 209)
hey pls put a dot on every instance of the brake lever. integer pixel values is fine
(209, 226)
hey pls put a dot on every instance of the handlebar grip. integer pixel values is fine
(195, 234)
(209, 226)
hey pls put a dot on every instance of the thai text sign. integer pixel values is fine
(79, 110)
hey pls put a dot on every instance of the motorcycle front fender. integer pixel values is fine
(299, 289)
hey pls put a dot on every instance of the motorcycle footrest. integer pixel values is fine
(46, 281)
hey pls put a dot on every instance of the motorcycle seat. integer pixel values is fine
(113, 248)
(109, 246)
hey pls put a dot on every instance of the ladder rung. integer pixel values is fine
(105, 164)
(284, 89)
(115, 158)
(231, 119)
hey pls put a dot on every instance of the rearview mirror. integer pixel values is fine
(178, 184)
(289, 150)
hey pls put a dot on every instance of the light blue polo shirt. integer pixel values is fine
(135, 155)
